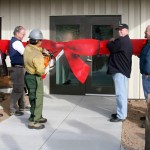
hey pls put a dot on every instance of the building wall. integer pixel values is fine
(35, 14)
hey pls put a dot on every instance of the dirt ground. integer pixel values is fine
(133, 136)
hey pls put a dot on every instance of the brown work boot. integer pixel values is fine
(35, 125)
(42, 120)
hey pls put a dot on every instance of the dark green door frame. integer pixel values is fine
(83, 27)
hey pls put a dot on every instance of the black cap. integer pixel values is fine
(122, 26)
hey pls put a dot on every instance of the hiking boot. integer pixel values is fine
(17, 113)
(42, 120)
(35, 125)
(27, 108)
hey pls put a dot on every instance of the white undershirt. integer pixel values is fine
(18, 46)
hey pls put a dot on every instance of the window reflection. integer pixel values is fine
(102, 32)
(99, 62)
(65, 33)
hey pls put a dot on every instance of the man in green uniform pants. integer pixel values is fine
(34, 65)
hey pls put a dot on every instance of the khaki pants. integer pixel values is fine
(34, 85)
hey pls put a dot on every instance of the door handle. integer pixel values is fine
(88, 59)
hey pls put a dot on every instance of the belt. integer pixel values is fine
(33, 74)
(17, 66)
(146, 75)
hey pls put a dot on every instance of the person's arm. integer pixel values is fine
(114, 46)
(18, 46)
(147, 61)
(39, 65)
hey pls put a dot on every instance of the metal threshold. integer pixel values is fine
(90, 94)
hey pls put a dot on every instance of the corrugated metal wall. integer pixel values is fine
(35, 13)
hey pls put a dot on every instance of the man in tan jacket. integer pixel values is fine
(34, 65)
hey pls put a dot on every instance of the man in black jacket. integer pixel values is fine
(119, 66)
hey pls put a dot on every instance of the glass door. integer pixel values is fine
(99, 82)
(66, 28)
(62, 80)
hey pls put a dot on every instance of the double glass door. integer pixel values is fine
(67, 28)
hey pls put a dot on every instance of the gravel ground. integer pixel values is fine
(133, 136)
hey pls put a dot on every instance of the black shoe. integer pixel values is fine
(116, 119)
(17, 113)
(143, 118)
(27, 108)
(67, 82)
(114, 115)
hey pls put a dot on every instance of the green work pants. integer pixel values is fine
(34, 85)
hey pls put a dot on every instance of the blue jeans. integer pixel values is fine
(121, 82)
(146, 85)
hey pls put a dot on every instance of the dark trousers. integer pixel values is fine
(34, 85)
(17, 95)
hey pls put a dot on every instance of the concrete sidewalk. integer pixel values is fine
(74, 123)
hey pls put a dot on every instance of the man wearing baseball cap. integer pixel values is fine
(119, 66)
(122, 26)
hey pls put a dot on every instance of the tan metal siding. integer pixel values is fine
(35, 14)
(4, 13)
(134, 24)
(100, 7)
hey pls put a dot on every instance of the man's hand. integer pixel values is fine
(112, 39)
(45, 52)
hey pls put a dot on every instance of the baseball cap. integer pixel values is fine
(122, 26)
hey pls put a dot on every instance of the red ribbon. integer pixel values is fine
(84, 47)
(76, 48)
(4, 44)
(137, 46)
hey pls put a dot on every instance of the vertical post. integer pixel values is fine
(147, 127)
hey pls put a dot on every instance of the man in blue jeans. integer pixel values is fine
(119, 66)
(145, 64)
(145, 67)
